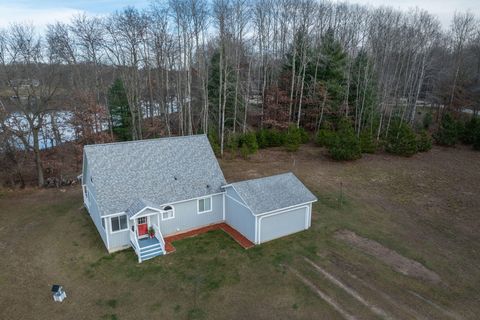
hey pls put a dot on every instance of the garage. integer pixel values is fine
(271, 207)
(282, 223)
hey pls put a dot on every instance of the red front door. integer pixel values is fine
(142, 226)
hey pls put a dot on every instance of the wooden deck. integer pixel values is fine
(147, 242)
(237, 236)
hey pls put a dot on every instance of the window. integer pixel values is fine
(204, 205)
(142, 220)
(119, 223)
(168, 213)
(103, 223)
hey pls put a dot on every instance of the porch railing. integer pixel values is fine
(159, 236)
(134, 240)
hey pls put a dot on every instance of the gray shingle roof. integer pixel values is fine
(274, 192)
(127, 175)
(137, 205)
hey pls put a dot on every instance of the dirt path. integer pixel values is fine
(398, 262)
(378, 311)
(322, 295)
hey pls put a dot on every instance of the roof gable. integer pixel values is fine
(272, 193)
(157, 171)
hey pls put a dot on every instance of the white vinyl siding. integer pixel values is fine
(204, 205)
(119, 223)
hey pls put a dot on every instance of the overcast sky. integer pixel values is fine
(41, 12)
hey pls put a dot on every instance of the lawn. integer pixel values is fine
(424, 208)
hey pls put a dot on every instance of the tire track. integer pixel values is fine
(378, 311)
(407, 310)
(322, 295)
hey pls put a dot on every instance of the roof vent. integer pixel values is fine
(208, 186)
(175, 178)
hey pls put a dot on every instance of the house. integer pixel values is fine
(174, 185)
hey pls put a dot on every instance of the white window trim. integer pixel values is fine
(198, 205)
(171, 210)
(121, 230)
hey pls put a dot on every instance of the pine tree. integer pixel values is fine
(345, 145)
(213, 92)
(447, 133)
(332, 69)
(363, 92)
(401, 139)
(119, 111)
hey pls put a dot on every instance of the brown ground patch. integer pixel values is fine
(398, 262)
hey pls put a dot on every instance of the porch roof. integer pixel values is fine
(139, 205)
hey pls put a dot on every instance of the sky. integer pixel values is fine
(42, 12)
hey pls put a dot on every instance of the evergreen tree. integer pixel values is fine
(345, 145)
(363, 92)
(325, 135)
(367, 142)
(401, 139)
(447, 133)
(333, 65)
(470, 130)
(424, 142)
(293, 138)
(214, 94)
(119, 111)
(330, 71)
(476, 140)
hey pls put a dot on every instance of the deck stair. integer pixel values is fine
(150, 248)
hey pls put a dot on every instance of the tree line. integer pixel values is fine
(230, 67)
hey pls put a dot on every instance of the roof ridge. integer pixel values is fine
(266, 177)
(144, 140)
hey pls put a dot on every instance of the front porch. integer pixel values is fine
(147, 248)
(145, 236)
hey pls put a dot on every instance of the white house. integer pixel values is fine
(174, 185)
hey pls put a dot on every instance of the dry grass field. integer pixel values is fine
(392, 237)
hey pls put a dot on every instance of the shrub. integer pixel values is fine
(304, 137)
(367, 142)
(262, 138)
(325, 137)
(269, 138)
(244, 151)
(476, 140)
(447, 133)
(470, 130)
(424, 142)
(427, 120)
(293, 138)
(248, 141)
(401, 140)
(345, 145)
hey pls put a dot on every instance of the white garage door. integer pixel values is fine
(283, 223)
